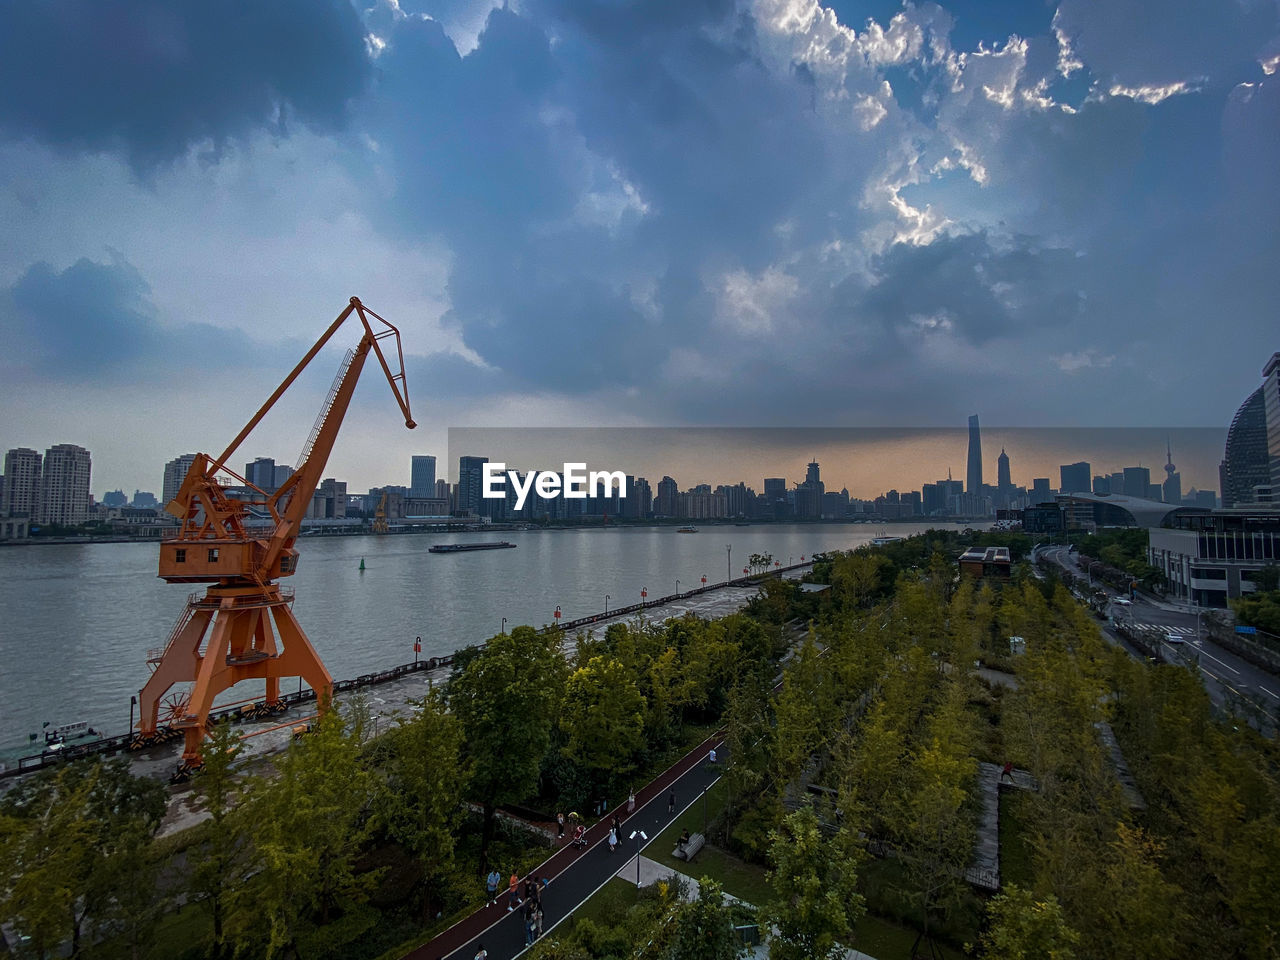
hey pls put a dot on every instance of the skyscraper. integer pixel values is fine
(1137, 482)
(1245, 463)
(175, 471)
(422, 482)
(1076, 477)
(470, 484)
(1271, 405)
(973, 478)
(64, 485)
(667, 503)
(21, 483)
(1004, 479)
(262, 474)
(1172, 489)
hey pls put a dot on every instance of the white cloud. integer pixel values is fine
(754, 305)
(1151, 94)
(1090, 359)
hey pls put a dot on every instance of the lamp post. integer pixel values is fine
(704, 812)
(133, 702)
(503, 628)
(557, 615)
(728, 561)
(677, 588)
(606, 604)
(417, 648)
(644, 592)
(637, 836)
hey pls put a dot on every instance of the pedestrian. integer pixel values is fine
(617, 825)
(712, 755)
(613, 839)
(530, 923)
(513, 892)
(531, 888)
(1007, 771)
(537, 919)
(560, 826)
(491, 885)
(631, 803)
(671, 801)
(481, 952)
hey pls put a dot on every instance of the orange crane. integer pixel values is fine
(380, 515)
(241, 547)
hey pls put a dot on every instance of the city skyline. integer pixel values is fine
(748, 212)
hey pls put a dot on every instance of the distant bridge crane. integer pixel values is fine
(380, 515)
(241, 547)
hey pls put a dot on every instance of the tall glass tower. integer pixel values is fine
(973, 480)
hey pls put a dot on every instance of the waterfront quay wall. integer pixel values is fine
(108, 746)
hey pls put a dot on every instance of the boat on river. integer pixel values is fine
(687, 530)
(464, 547)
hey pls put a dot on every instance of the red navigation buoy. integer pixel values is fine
(557, 616)
(704, 579)
(643, 593)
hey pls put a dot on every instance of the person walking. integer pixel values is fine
(613, 839)
(481, 952)
(1007, 771)
(671, 801)
(491, 885)
(530, 923)
(560, 826)
(631, 803)
(617, 824)
(537, 921)
(513, 892)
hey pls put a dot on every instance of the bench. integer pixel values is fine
(688, 850)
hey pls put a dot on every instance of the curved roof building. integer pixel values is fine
(1245, 463)
(1111, 510)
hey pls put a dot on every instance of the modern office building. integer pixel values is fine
(64, 485)
(470, 484)
(262, 474)
(1102, 484)
(1040, 490)
(175, 471)
(1209, 557)
(1271, 407)
(973, 476)
(1245, 462)
(1004, 478)
(333, 493)
(21, 495)
(281, 475)
(422, 476)
(1076, 477)
(1137, 482)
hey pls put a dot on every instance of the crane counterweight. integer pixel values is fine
(243, 627)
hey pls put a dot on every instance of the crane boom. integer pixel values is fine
(248, 619)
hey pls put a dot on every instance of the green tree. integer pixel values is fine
(815, 886)
(216, 859)
(421, 805)
(1022, 926)
(308, 823)
(603, 717)
(704, 928)
(507, 698)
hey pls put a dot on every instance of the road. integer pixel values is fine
(1227, 678)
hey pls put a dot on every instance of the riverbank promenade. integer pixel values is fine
(575, 874)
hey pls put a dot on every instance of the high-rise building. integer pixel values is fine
(442, 489)
(1040, 491)
(422, 470)
(1245, 462)
(115, 498)
(1102, 485)
(973, 477)
(280, 476)
(21, 483)
(1117, 483)
(1076, 477)
(1172, 489)
(262, 474)
(1271, 405)
(1004, 478)
(333, 493)
(64, 485)
(667, 503)
(175, 471)
(1137, 482)
(470, 484)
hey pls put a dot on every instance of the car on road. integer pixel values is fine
(1173, 638)
(1122, 601)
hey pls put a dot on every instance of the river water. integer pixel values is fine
(77, 620)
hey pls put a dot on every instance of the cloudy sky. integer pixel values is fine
(600, 212)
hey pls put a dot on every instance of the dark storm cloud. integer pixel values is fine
(95, 322)
(151, 79)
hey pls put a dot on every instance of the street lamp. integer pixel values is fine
(677, 588)
(606, 604)
(637, 836)
(503, 630)
(417, 649)
(728, 561)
